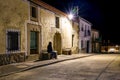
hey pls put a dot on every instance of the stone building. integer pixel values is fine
(96, 41)
(30, 26)
(84, 35)
(75, 37)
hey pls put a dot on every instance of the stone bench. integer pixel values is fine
(67, 51)
(46, 56)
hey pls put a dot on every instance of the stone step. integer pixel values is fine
(32, 57)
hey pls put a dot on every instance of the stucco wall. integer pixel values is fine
(13, 15)
(16, 16)
(47, 20)
(76, 38)
(86, 26)
(66, 26)
(95, 34)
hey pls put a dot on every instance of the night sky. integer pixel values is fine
(103, 14)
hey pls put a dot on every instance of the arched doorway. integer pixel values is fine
(57, 43)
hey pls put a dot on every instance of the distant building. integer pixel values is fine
(105, 44)
(84, 35)
(96, 41)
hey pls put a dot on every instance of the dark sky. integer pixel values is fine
(103, 14)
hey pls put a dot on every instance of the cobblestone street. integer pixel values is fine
(97, 67)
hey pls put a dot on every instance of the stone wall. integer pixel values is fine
(48, 28)
(13, 15)
(12, 58)
(18, 18)
(75, 38)
(47, 20)
(66, 26)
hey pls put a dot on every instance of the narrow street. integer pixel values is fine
(98, 67)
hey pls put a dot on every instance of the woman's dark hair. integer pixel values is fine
(50, 43)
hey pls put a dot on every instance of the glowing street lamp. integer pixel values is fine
(70, 16)
(73, 12)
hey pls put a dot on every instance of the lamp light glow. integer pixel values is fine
(70, 16)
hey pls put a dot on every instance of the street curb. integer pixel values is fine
(36, 66)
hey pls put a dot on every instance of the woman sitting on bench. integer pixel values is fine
(50, 50)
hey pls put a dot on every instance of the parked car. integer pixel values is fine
(112, 50)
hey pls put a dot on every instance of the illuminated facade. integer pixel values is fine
(75, 37)
(30, 26)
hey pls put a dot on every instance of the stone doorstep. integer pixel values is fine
(32, 57)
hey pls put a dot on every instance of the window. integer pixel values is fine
(81, 28)
(85, 33)
(33, 12)
(13, 41)
(89, 33)
(57, 22)
(72, 40)
(81, 43)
